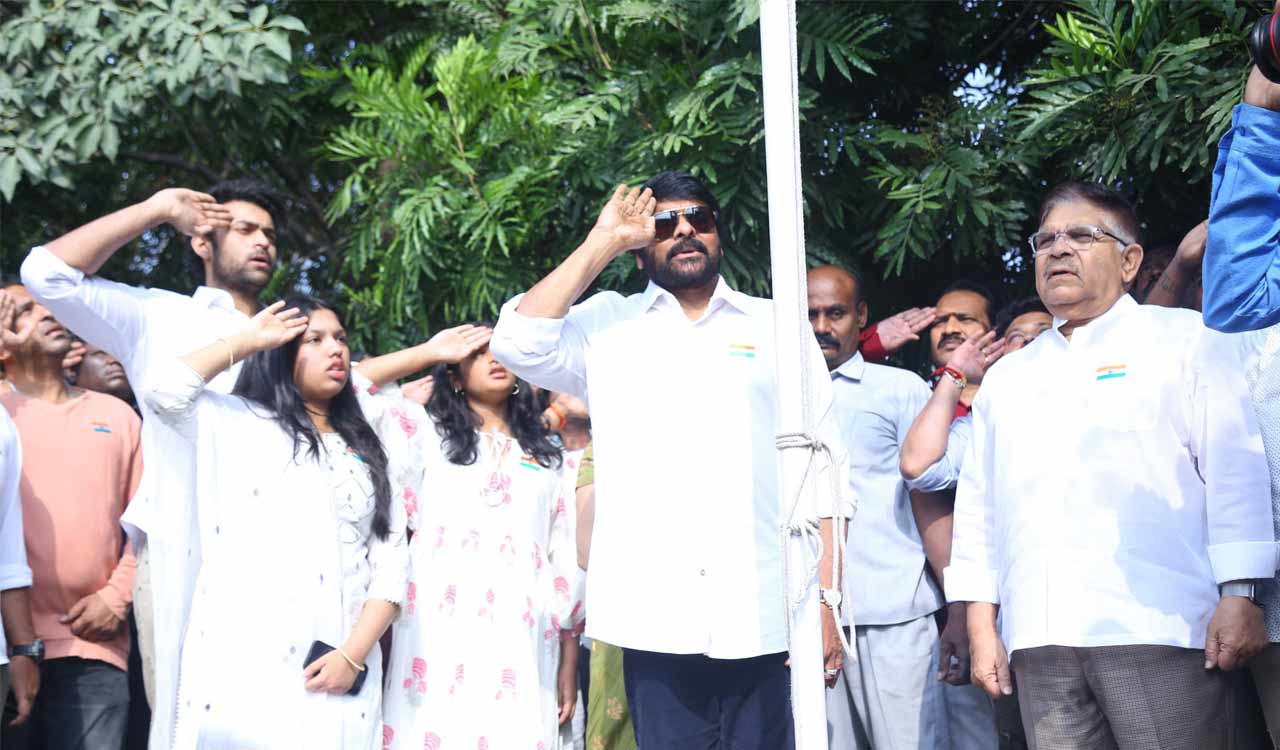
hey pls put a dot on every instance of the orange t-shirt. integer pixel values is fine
(81, 461)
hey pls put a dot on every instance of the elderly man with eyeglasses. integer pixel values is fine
(1113, 506)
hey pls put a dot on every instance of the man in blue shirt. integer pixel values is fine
(894, 695)
(1242, 294)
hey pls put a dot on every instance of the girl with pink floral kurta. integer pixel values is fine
(484, 652)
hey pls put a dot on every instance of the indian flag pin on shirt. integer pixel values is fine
(1111, 372)
(742, 350)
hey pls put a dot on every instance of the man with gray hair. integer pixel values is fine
(1128, 518)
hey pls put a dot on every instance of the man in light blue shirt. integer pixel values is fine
(891, 697)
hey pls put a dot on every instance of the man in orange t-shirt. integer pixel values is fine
(81, 464)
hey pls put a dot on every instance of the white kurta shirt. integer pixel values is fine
(686, 549)
(288, 559)
(14, 572)
(146, 329)
(1114, 479)
(886, 566)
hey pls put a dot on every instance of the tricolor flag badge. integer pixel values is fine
(356, 454)
(101, 427)
(529, 462)
(742, 350)
(1111, 372)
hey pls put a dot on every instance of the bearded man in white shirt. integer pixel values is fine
(1113, 506)
(686, 570)
(232, 230)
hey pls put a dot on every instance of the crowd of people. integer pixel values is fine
(1065, 537)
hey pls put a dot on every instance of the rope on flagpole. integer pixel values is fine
(810, 530)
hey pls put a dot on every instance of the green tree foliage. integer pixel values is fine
(440, 155)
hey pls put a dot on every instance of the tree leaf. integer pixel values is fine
(278, 42)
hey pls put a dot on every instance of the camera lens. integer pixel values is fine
(1265, 46)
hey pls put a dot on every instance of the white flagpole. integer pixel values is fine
(791, 326)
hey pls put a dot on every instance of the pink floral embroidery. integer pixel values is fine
(410, 597)
(411, 503)
(562, 588)
(499, 486)
(388, 734)
(508, 547)
(559, 508)
(449, 599)
(458, 674)
(406, 424)
(432, 741)
(418, 681)
(483, 744)
(472, 538)
(528, 612)
(552, 632)
(508, 684)
(487, 609)
(439, 537)
(537, 557)
(577, 607)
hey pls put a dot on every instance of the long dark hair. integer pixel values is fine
(457, 423)
(266, 379)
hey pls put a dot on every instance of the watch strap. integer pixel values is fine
(1240, 588)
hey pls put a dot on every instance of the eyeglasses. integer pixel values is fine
(699, 217)
(1078, 238)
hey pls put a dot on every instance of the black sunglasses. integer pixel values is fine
(699, 217)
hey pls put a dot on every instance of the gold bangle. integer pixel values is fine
(356, 667)
(231, 357)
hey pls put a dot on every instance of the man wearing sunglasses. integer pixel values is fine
(686, 570)
(1113, 505)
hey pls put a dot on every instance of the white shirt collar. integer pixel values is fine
(853, 368)
(723, 292)
(1121, 308)
(207, 296)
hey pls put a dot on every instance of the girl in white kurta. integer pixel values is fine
(301, 538)
(485, 653)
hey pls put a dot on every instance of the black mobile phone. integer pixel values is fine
(319, 649)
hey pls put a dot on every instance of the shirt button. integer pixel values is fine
(702, 572)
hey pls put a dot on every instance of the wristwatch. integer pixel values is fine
(1247, 589)
(33, 650)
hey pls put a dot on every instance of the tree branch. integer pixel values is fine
(171, 160)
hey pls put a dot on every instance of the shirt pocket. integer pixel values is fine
(1120, 399)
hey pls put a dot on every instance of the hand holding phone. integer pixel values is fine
(330, 671)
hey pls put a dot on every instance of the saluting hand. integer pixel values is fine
(626, 221)
(452, 345)
(275, 327)
(11, 338)
(194, 214)
(974, 356)
(898, 330)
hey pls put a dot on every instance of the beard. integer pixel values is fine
(238, 277)
(687, 274)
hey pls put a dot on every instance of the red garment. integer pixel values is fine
(961, 411)
(869, 344)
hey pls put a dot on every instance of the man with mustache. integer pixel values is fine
(893, 696)
(1113, 505)
(233, 233)
(686, 572)
(81, 462)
